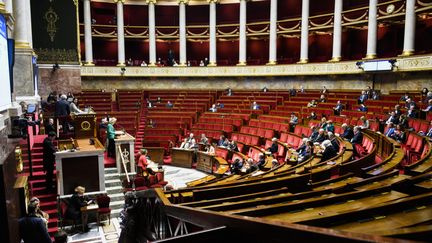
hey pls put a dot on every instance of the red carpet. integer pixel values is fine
(109, 162)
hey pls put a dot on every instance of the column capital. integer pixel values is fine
(116, 1)
(212, 1)
(151, 1)
(186, 2)
(2, 8)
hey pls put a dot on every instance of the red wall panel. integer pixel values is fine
(257, 51)
(227, 52)
(197, 50)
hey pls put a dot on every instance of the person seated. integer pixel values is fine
(70, 97)
(184, 144)
(142, 161)
(73, 107)
(255, 106)
(347, 132)
(323, 123)
(312, 103)
(397, 111)
(312, 116)
(232, 146)
(201, 64)
(275, 164)
(409, 102)
(209, 149)
(333, 140)
(375, 95)
(76, 202)
(151, 123)
(365, 123)
(249, 166)
(338, 108)
(306, 153)
(213, 108)
(302, 146)
(403, 121)
(429, 132)
(175, 64)
(314, 133)
(169, 104)
(220, 105)
(49, 127)
(321, 136)
(129, 62)
(292, 92)
(328, 152)
(229, 91)
(363, 97)
(149, 104)
(330, 126)
(412, 112)
(358, 136)
(322, 99)
(193, 144)
(324, 90)
(390, 130)
(261, 161)
(429, 107)
(274, 147)
(143, 64)
(204, 139)
(221, 142)
(399, 134)
(301, 90)
(362, 108)
(293, 119)
(404, 97)
(226, 143)
(392, 118)
(264, 89)
(236, 166)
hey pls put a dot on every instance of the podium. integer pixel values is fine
(84, 124)
(182, 157)
(83, 166)
(124, 145)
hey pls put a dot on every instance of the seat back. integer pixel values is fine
(103, 201)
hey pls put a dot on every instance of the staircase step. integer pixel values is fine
(112, 182)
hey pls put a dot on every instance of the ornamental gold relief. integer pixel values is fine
(51, 18)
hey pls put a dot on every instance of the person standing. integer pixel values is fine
(111, 136)
(49, 159)
(32, 229)
(62, 111)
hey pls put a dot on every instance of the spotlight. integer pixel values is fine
(359, 65)
(122, 70)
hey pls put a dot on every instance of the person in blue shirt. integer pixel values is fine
(363, 108)
(255, 106)
(390, 130)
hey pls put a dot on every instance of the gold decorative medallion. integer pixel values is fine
(85, 125)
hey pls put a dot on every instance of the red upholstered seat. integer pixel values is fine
(104, 209)
(284, 137)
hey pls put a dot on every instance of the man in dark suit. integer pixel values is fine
(329, 152)
(333, 141)
(321, 136)
(348, 132)
(48, 159)
(62, 111)
(274, 147)
(32, 229)
(363, 97)
(358, 136)
(338, 108)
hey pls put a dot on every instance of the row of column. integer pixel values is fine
(408, 48)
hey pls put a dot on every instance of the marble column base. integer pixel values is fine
(23, 80)
(65, 79)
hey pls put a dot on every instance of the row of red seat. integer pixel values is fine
(282, 127)
(261, 132)
(216, 126)
(245, 138)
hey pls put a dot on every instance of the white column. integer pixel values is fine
(29, 24)
(182, 31)
(409, 34)
(152, 32)
(88, 34)
(304, 45)
(337, 31)
(273, 33)
(212, 56)
(120, 34)
(242, 34)
(372, 30)
(8, 6)
(20, 30)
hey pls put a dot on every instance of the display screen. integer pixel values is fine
(5, 91)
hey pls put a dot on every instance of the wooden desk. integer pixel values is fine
(156, 154)
(82, 167)
(84, 124)
(182, 157)
(85, 211)
(126, 143)
(205, 162)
